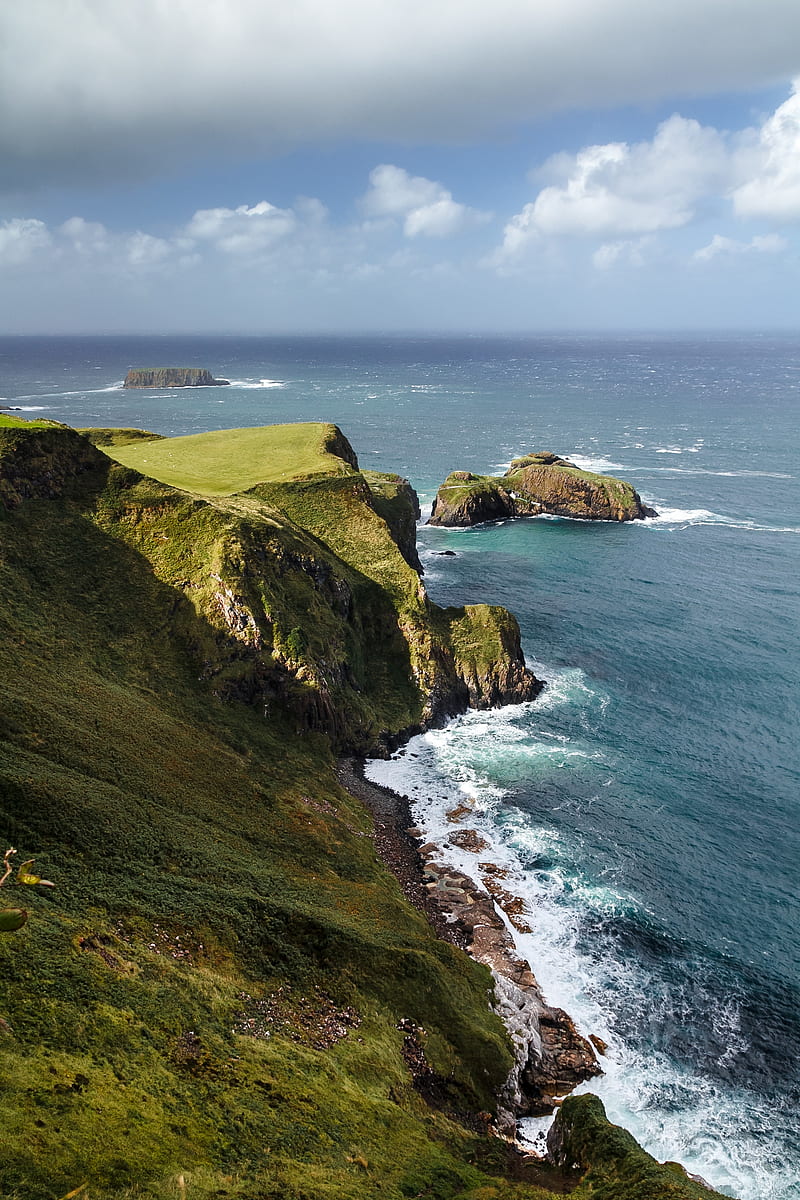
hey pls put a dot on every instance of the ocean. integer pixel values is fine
(646, 806)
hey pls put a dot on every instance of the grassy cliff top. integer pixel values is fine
(9, 421)
(232, 460)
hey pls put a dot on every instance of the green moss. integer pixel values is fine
(611, 1164)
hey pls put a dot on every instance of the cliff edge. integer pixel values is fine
(535, 484)
(227, 992)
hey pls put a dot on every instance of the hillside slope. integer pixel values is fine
(226, 994)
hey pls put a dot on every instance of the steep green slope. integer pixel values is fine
(204, 859)
(226, 994)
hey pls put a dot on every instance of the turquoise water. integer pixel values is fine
(646, 805)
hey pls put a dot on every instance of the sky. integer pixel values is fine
(301, 166)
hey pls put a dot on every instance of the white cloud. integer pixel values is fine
(20, 238)
(618, 189)
(769, 243)
(143, 250)
(424, 206)
(628, 251)
(243, 230)
(774, 190)
(87, 237)
(115, 86)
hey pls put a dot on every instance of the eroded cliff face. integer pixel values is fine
(165, 377)
(301, 595)
(536, 484)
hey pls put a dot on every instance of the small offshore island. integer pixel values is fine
(536, 484)
(166, 377)
(252, 979)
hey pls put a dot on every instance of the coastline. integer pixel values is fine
(551, 1056)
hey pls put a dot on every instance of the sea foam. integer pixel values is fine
(462, 776)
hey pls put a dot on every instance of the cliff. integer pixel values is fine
(535, 484)
(226, 993)
(164, 377)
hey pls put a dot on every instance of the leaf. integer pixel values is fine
(11, 919)
(24, 876)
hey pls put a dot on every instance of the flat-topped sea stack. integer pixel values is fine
(164, 377)
(536, 484)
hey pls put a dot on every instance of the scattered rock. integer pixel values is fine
(460, 810)
(312, 1020)
(469, 839)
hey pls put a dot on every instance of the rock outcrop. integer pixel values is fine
(550, 1056)
(536, 484)
(165, 377)
(300, 597)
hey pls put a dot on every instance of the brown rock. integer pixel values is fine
(469, 839)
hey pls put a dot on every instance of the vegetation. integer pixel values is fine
(233, 460)
(209, 1005)
(533, 484)
(119, 437)
(9, 421)
(610, 1161)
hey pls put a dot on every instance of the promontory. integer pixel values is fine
(536, 484)
(236, 988)
(163, 377)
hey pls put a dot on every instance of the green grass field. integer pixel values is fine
(233, 460)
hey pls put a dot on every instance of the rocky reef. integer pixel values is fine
(166, 377)
(535, 484)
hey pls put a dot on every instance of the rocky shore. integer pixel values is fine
(551, 1057)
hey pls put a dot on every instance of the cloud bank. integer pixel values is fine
(104, 87)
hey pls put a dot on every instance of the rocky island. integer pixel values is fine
(166, 377)
(535, 484)
(250, 979)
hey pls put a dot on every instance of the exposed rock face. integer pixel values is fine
(551, 1057)
(394, 499)
(163, 377)
(38, 464)
(288, 615)
(535, 484)
(583, 1141)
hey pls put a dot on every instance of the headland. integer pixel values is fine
(228, 987)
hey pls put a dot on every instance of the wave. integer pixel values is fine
(684, 518)
(706, 471)
(258, 383)
(466, 776)
(587, 462)
(111, 387)
(29, 408)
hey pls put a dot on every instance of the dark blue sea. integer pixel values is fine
(646, 806)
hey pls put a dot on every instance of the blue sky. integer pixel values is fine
(389, 165)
